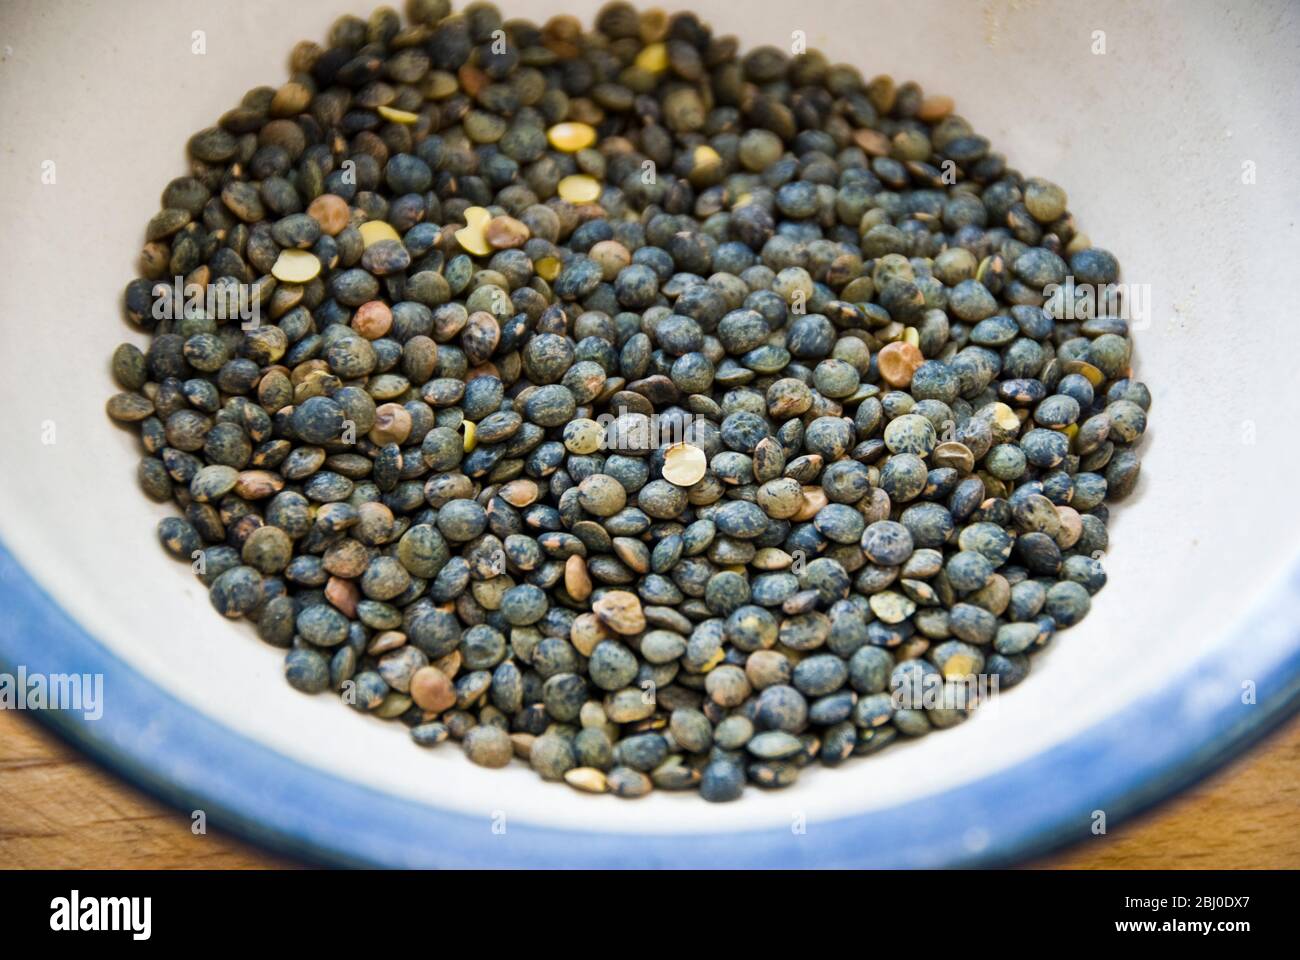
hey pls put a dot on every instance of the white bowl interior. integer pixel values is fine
(1151, 138)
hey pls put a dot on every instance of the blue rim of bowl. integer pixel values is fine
(1122, 765)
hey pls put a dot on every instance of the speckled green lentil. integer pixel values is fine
(435, 476)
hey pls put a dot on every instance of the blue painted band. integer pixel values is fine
(1142, 754)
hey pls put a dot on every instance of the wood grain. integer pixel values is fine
(60, 810)
(1247, 816)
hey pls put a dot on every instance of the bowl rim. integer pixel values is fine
(191, 761)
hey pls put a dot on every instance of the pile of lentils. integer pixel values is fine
(618, 402)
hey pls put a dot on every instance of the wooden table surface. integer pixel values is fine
(58, 809)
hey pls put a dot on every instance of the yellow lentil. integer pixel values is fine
(472, 237)
(570, 136)
(372, 231)
(579, 188)
(295, 266)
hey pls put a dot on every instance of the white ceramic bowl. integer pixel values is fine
(1176, 145)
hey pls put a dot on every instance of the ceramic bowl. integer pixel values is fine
(1169, 127)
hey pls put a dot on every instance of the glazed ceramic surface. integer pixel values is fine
(1177, 146)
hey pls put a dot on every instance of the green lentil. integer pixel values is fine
(439, 476)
